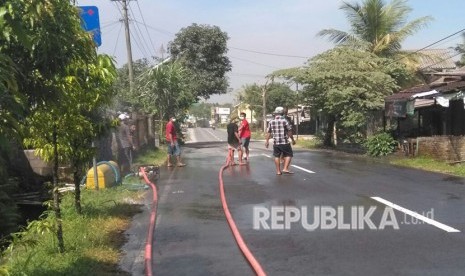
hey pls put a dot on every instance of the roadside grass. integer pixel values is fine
(92, 240)
(308, 144)
(429, 164)
(153, 157)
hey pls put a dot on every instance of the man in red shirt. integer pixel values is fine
(244, 133)
(173, 145)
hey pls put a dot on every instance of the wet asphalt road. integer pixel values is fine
(192, 236)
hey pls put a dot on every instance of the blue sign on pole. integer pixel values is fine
(91, 23)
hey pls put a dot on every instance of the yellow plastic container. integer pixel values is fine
(105, 174)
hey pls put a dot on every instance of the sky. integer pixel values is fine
(264, 35)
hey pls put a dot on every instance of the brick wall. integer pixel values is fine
(448, 148)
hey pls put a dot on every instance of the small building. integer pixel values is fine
(250, 114)
(432, 116)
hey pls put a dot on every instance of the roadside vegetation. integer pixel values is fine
(395, 158)
(308, 143)
(429, 164)
(59, 96)
(92, 239)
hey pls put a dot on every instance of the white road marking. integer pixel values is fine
(214, 135)
(303, 169)
(416, 215)
(295, 166)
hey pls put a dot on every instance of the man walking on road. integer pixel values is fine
(173, 145)
(281, 131)
(244, 134)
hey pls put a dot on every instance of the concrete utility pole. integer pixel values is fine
(128, 43)
(297, 124)
(264, 88)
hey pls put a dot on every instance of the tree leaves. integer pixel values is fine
(383, 26)
(201, 50)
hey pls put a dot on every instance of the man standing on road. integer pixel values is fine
(125, 145)
(244, 134)
(281, 131)
(234, 142)
(173, 145)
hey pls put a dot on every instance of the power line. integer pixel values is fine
(140, 35)
(139, 43)
(254, 62)
(424, 48)
(117, 8)
(111, 30)
(143, 20)
(106, 25)
(247, 75)
(443, 59)
(165, 32)
(270, 54)
(117, 39)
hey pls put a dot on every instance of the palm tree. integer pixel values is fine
(379, 26)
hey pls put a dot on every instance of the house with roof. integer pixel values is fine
(431, 116)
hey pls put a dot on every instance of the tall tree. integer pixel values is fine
(165, 91)
(202, 49)
(278, 94)
(379, 26)
(45, 40)
(346, 84)
(124, 100)
(11, 112)
(201, 110)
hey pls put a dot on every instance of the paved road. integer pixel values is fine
(351, 195)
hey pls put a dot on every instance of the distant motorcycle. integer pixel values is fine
(213, 127)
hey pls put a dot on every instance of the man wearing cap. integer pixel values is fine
(281, 131)
(125, 145)
(173, 145)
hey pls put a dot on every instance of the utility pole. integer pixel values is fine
(264, 88)
(297, 124)
(264, 106)
(128, 43)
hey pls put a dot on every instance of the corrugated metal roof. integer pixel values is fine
(440, 87)
(458, 72)
(437, 59)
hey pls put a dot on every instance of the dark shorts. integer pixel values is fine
(174, 150)
(285, 150)
(234, 146)
(245, 142)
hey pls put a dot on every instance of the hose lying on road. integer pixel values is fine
(153, 215)
(237, 235)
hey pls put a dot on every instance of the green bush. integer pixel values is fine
(380, 144)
